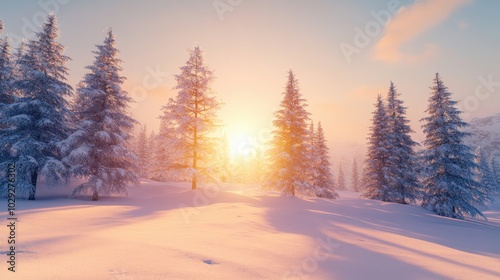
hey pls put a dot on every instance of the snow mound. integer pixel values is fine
(167, 231)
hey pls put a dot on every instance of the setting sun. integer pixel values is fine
(231, 139)
(242, 145)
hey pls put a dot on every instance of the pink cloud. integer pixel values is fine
(409, 24)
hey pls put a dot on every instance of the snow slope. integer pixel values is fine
(239, 232)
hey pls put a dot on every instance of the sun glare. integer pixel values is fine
(242, 144)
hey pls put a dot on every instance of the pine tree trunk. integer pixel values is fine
(195, 144)
(34, 179)
(193, 183)
(195, 155)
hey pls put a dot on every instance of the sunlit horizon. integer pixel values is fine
(247, 139)
(252, 46)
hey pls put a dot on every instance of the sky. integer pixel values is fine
(344, 53)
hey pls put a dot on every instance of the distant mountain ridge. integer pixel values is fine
(486, 134)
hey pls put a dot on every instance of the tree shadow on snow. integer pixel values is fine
(317, 217)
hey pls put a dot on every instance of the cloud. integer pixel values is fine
(409, 24)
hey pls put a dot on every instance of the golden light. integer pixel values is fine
(242, 146)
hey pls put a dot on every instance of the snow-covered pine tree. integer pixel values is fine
(9, 74)
(402, 178)
(449, 168)
(485, 174)
(98, 149)
(163, 154)
(18, 60)
(362, 176)
(313, 155)
(288, 154)
(341, 185)
(323, 179)
(6, 75)
(37, 121)
(193, 113)
(355, 178)
(6, 97)
(375, 168)
(151, 146)
(141, 150)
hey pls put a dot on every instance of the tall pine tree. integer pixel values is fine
(18, 61)
(485, 174)
(376, 185)
(288, 157)
(323, 177)
(98, 149)
(193, 117)
(141, 149)
(6, 97)
(151, 146)
(6, 76)
(165, 155)
(34, 124)
(450, 187)
(402, 178)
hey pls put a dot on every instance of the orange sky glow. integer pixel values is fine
(251, 45)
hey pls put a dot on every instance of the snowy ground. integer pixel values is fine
(239, 232)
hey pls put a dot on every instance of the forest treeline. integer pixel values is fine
(54, 132)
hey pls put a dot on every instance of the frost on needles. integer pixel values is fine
(189, 121)
(37, 119)
(390, 173)
(449, 170)
(97, 150)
